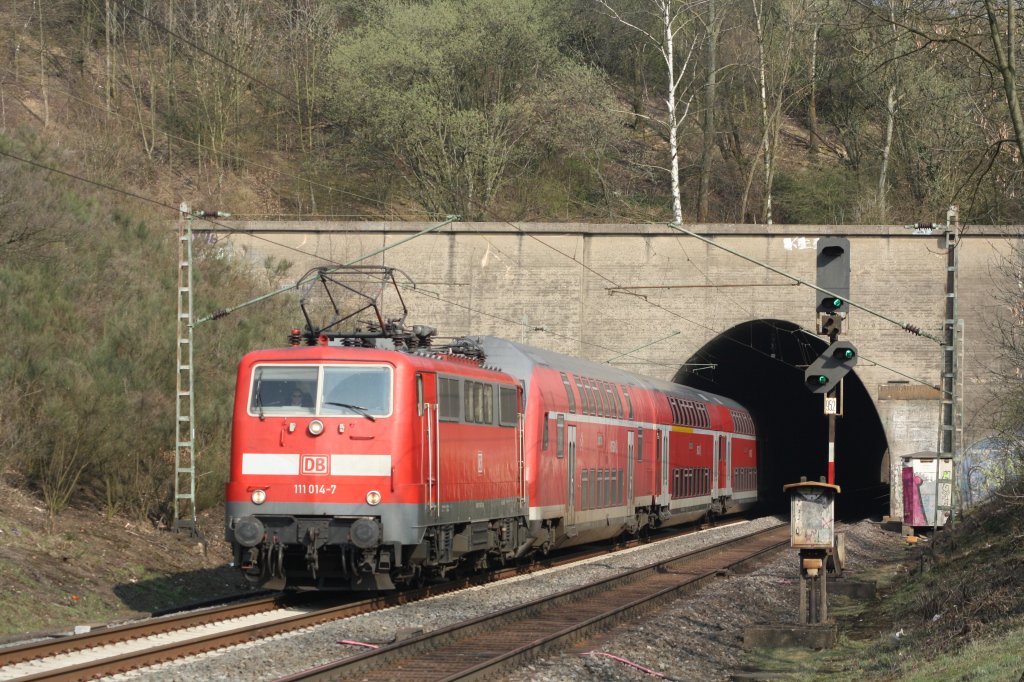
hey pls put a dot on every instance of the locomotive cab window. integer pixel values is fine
(338, 390)
(283, 390)
(356, 389)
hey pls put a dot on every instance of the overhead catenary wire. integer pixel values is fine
(261, 83)
(155, 202)
(913, 329)
(231, 230)
(235, 157)
(290, 99)
(903, 325)
(711, 329)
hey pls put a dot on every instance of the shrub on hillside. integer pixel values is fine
(87, 378)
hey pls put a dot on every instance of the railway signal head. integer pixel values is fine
(830, 304)
(825, 373)
(833, 275)
(844, 352)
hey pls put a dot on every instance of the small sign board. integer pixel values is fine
(812, 514)
(831, 405)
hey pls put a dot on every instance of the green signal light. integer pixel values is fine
(819, 379)
(832, 303)
(845, 353)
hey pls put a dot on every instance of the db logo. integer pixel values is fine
(315, 465)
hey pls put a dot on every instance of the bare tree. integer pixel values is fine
(674, 20)
(775, 44)
(714, 26)
(890, 117)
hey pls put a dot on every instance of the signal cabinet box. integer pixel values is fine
(811, 514)
(921, 488)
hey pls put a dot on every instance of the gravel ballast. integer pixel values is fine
(695, 637)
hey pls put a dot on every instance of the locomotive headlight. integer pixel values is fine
(259, 496)
(373, 498)
(316, 427)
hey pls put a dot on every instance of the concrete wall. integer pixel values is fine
(600, 291)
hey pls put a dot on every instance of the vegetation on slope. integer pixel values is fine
(88, 297)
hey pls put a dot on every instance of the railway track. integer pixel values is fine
(486, 646)
(126, 647)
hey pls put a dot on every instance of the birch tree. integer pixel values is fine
(669, 26)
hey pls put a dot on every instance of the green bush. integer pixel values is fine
(820, 195)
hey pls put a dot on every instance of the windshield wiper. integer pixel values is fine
(259, 398)
(355, 408)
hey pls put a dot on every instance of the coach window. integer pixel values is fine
(607, 389)
(584, 403)
(602, 402)
(544, 441)
(618, 401)
(591, 404)
(448, 397)
(507, 408)
(640, 444)
(568, 393)
(702, 415)
(560, 436)
(629, 401)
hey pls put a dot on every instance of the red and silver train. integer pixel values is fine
(364, 468)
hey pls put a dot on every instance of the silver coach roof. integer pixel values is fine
(519, 360)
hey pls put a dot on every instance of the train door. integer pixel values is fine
(570, 500)
(723, 460)
(727, 474)
(630, 451)
(430, 440)
(662, 462)
(715, 458)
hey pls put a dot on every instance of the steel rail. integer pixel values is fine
(136, 630)
(112, 664)
(485, 646)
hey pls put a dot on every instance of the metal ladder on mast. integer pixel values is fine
(184, 436)
(952, 408)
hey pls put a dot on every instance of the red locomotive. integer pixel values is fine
(358, 467)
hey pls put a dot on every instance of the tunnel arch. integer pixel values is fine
(760, 364)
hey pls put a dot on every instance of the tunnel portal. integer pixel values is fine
(760, 364)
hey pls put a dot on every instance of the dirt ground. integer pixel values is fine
(85, 568)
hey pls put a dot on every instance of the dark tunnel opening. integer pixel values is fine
(760, 364)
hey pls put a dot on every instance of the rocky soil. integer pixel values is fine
(85, 568)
